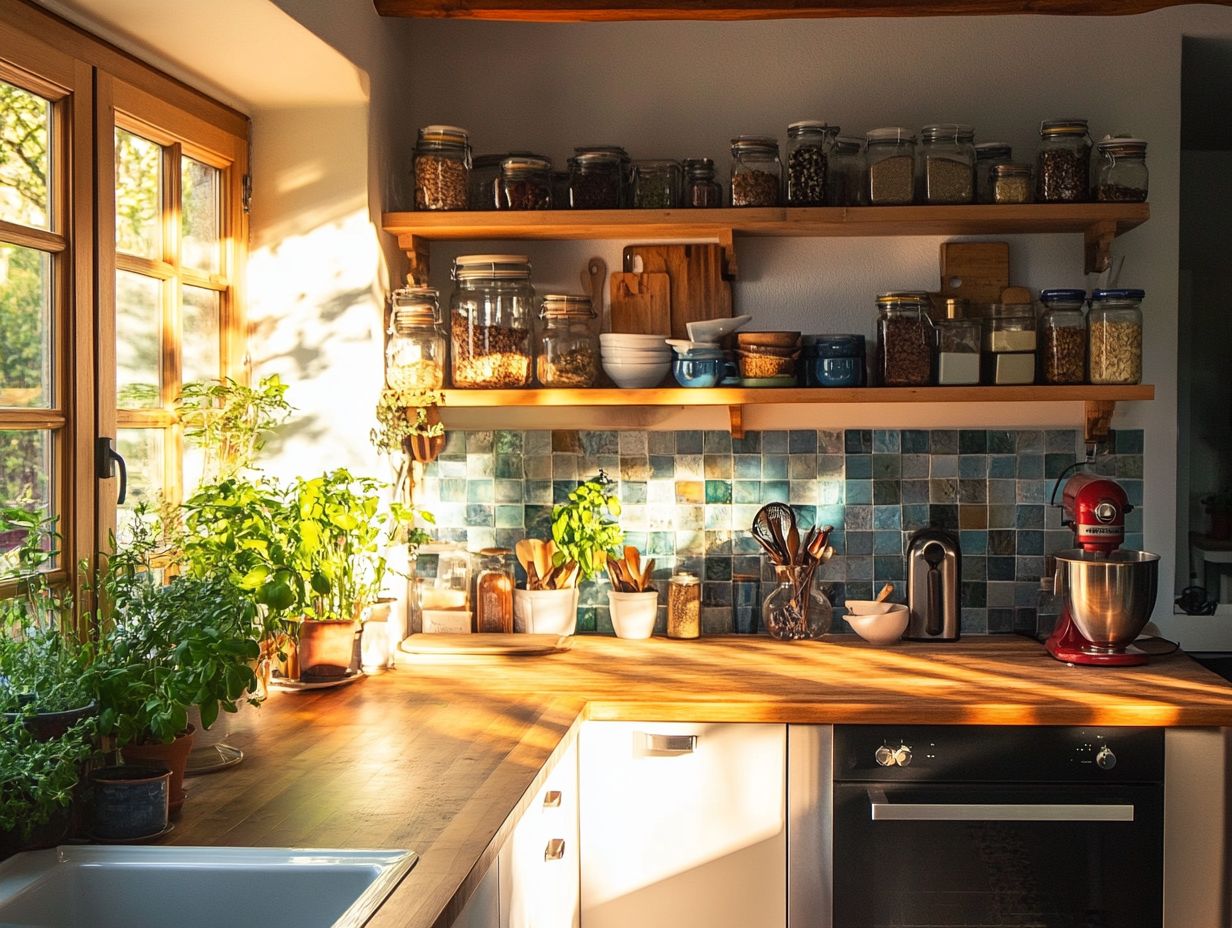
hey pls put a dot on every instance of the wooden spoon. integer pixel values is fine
(885, 593)
(526, 554)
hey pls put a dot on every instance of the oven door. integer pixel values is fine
(1044, 856)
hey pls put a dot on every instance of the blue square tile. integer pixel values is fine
(858, 441)
(915, 441)
(774, 491)
(508, 516)
(915, 491)
(746, 466)
(830, 465)
(802, 441)
(1062, 440)
(943, 441)
(855, 519)
(478, 516)
(1001, 441)
(1002, 466)
(973, 543)
(973, 441)
(859, 568)
(746, 491)
(749, 444)
(887, 542)
(973, 465)
(973, 622)
(689, 442)
(774, 442)
(662, 467)
(916, 466)
(887, 517)
(859, 466)
(1029, 441)
(859, 492)
(886, 440)
(1030, 466)
(915, 517)
(774, 466)
(1128, 441)
(859, 543)
(887, 466)
(943, 465)
(717, 442)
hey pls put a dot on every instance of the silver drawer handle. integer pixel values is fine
(551, 799)
(671, 744)
(555, 849)
(885, 811)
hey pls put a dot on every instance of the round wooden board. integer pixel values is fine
(488, 643)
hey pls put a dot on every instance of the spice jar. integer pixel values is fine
(494, 592)
(987, 156)
(568, 353)
(1121, 175)
(890, 154)
(489, 321)
(1011, 183)
(1062, 169)
(701, 190)
(956, 361)
(1062, 337)
(808, 152)
(525, 183)
(1115, 327)
(833, 360)
(415, 354)
(442, 168)
(656, 184)
(756, 171)
(845, 182)
(596, 180)
(1009, 344)
(947, 163)
(684, 605)
(904, 339)
(626, 168)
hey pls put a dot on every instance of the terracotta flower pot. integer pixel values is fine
(173, 756)
(420, 447)
(326, 649)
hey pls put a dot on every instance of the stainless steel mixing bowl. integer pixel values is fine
(1110, 596)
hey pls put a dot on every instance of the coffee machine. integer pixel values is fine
(1107, 592)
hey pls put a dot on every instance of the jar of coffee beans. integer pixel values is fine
(756, 171)
(1011, 183)
(845, 180)
(568, 353)
(1115, 328)
(904, 339)
(808, 152)
(656, 184)
(890, 156)
(490, 321)
(1062, 169)
(595, 181)
(442, 168)
(701, 190)
(987, 156)
(946, 163)
(525, 183)
(1121, 175)
(1062, 337)
(626, 168)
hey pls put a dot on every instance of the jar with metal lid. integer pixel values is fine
(845, 180)
(568, 353)
(1009, 343)
(1011, 183)
(656, 184)
(808, 153)
(626, 168)
(494, 592)
(956, 358)
(1062, 337)
(684, 605)
(442, 168)
(701, 190)
(415, 353)
(756, 171)
(596, 180)
(890, 156)
(987, 156)
(946, 163)
(904, 339)
(1121, 175)
(525, 183)
(1062, 168)
(1115, 326)
(485, 181)
(832, 361)
(490, 321)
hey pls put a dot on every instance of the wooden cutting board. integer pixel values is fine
(488, 643)
(640, 304)
(698, 288)
(975, 271)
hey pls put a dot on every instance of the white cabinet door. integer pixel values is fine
(482, 910)
(683, 825)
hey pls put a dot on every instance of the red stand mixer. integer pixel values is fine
(1108, 592)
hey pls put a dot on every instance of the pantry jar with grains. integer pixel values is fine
(946, 163)
(845, 183)
(568, 353)
(656, 184)
(1011, 183)
(525, 183)
(904, 339)
(596, 180)
(756, 171)
(1121, 174)
(1062, 337)
(1115, 327)
(442, 168)
(684, 605)
(1009, 344)
(494, 592)
(701, 190)
(1062, 165)
(415, 354)
(809, 144)
(956, 360)
(890, 157)
(987, 156)
(490, 321)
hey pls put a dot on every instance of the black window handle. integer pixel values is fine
(105, 457)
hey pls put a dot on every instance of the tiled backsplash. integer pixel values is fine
(689, 498)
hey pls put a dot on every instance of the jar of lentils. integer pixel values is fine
(1115, 327)
(568, 353)
(845, 180)
(1011, 183)
(890, 156)
(490, 321)
(1121, 175)
(809, 144)
(756, 171)
(904, 339)
(656, 184)
(596, 180)
(987, 156)
(1062, 169)
(701, 190)
(947, 163)
(1062, 337)
(442, 168)
(525, 183)
(415, 353)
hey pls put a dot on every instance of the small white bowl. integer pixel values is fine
(637, 376)
(636, 354)
(627, 340)
(878, 627)
(711, 330)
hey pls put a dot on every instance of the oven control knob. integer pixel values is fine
(902, 756)
(885, 756)
(1105, 759)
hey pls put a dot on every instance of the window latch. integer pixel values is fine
(105, 459)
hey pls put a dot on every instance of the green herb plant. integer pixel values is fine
(38, 777)
(395, 429)
(229, 420)
(582, 530)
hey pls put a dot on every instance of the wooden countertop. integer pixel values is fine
(437, 755)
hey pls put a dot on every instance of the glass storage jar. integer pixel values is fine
(701, 190)
(845, 183)
(1115, 327)
(415, 353)
(596, 180)
(1009, 344)
(442, 168)
(946, 163)
(1121, 175)
(684, 605)
(904, 339)
(756, 171)
(832, 361)
(1011, 183)
(568, 353)
(956, 359)
(796, 608)
(656, 184)
(1062, 337)
(490, 321)
(494, 592)
(808, 153)
(485, 181)
(525, 183)
(443, 571)
(987, 156)
(626, 168)
(1062, 166)
(890, 156)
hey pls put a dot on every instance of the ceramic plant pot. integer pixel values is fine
(327, 650)
(45, 726)
(173, 756)
(545, 612)
(633, 614)
(131, 802)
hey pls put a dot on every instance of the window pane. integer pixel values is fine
(143, 455)
(138, 195)
(200, 359)
(25, 157)
(139, 327)
(199, 246)
(25, 483)
(25, 327)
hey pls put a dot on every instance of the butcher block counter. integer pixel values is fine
(439, 755)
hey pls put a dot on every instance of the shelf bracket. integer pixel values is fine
(417, 250)
(737, 421)
(1098, 420)
(727, 239)
(1099, 236)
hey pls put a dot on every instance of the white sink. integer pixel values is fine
(96, 886)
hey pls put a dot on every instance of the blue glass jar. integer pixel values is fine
(833, 361)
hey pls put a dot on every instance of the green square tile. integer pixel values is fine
(509, 516)
(746, 491)
(507, 442)
(479, 491)
(718, 491)
(509, 465)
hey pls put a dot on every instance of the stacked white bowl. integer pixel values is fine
(635, 361)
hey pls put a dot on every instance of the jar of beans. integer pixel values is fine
(525, 183)
(756, 171)
(1062, 337)
(596, 181)
(1062, 170)
(987, 156)
(1121, 175)
(946, 163)
(904, 339)
(1011, 183)
(415, 353)
(490, 321)
(1115, 327)
(568, 353)
(808, 152)
(656, 184)
(845, 180)
(442, 168)
(1009, 344)
(890, 156)
(701, 190)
